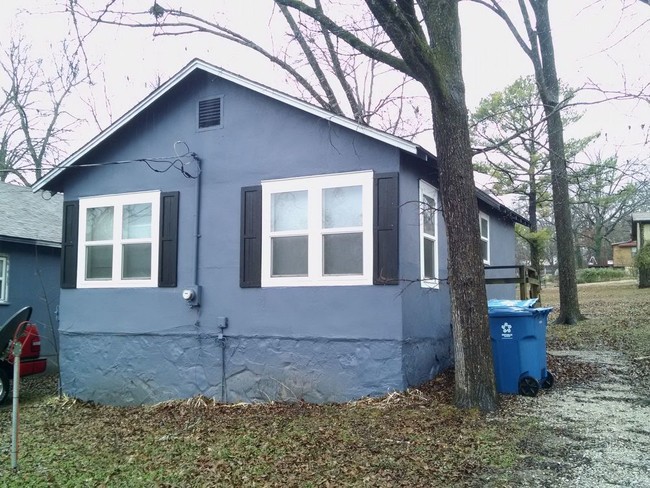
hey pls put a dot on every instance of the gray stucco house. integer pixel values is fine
(223, 238)
(30, 250)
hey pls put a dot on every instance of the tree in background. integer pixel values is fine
(536, 40)
(33, 120)
(605, 192)
(422, 41)
(511, 125)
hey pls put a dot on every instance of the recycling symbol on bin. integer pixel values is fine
(506, 328)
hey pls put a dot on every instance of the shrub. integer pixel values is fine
(593, 275)
(643, 264)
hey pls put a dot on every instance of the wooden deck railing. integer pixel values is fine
(526, 277)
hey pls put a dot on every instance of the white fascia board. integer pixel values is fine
(238, 80)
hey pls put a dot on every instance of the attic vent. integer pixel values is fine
(210, 113)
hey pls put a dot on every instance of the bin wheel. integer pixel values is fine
(4, 386)
(548, 381)
(528, 386)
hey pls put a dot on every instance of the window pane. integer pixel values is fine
(484, 228)
(136, 221)
(343, 254)
(99, 262)
(484, 250)
(429, 215)
(289, 211)
(289, 256)
(99, 224)
(136, 261)
(342, 207)
(429, 259)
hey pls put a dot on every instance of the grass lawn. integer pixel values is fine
(413, 439)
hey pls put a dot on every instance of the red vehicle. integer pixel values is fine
(30, 360)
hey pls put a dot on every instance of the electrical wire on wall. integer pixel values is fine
(184, 161)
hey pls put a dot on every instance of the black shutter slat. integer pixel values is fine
(250, 260)
(168, 251)
(386, 229)
(69, 244)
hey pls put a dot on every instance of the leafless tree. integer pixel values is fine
(35, 123)
(323, 69)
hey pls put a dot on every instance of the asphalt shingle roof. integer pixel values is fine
(27, 215)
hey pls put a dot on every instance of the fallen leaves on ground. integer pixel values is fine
(413, 438)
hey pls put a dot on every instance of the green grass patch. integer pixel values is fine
(617, 317)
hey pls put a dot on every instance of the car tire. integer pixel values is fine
(4, 386)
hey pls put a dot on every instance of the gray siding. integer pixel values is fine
(34, 281)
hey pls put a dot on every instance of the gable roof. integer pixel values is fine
(197, 64)
(28, 217)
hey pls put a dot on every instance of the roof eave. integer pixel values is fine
(239, 80)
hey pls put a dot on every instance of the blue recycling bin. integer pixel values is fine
(518, 335)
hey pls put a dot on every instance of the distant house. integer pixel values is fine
(641, 229)
(30, 250)
(279, 252)
(623, 253)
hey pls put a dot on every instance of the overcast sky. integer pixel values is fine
(596, 41)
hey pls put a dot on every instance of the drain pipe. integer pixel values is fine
(197, 224)
(17, 351)
(222, 323)
(18, 348)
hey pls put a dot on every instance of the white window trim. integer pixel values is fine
(4, 273)
(315, 185)
(431, 192)
(118, 201)
(483, 216)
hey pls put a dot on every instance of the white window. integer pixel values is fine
(484, 221)
(118, 241)
(317, 230)
(4, 279)
(428, 236)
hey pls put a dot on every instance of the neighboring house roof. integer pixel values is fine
(197, 64)
(29, 217)
(641, 217)
(625, 244)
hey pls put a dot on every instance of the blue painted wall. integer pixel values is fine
(313, 343)
(34, 281)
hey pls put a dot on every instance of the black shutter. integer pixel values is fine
(69, 244)
(168, 251)
(250, 260)
(386, 252)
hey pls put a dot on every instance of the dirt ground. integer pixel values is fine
(599, 431)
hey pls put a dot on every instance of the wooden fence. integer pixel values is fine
(526, 277)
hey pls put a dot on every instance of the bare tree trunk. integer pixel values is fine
(474, 373)
(549, 87)
(569, 308)
(475, 384)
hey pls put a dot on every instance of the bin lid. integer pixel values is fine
(517, 311)
(497, 302)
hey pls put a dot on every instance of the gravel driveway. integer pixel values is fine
(599, 432)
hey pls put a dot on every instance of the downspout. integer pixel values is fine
(197, 224)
